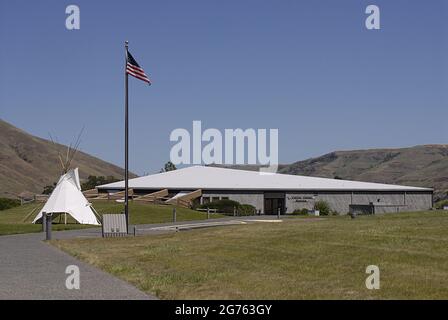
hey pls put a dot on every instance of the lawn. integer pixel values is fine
(18, 219)
(141, 213)
(298, 259)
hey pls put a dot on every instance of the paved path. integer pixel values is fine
(33, 269)
(187, 225)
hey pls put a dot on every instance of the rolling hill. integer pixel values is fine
(420, 166)
(29, 163)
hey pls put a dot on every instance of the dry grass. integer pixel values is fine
(299, 259)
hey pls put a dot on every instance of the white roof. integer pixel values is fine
(68, 198)
(200, 177)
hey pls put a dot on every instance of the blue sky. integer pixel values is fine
(309, 68)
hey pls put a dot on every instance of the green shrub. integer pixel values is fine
(223, 206)
(441, 204)
(323, 207)
(227, 206)
(246, 210)
(300, 212)
(6, 203)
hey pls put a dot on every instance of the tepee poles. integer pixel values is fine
(72, 149)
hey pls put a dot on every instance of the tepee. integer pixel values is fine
(67, 197)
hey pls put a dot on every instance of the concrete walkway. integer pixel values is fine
(33, 269)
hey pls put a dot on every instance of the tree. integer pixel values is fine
(49, 189)
(169, 166)
(93, 181)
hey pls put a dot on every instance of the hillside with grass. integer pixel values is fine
(419, 166)
(29, 163)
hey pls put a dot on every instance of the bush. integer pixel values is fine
(6, 203)
(300, 212)
(227, 206)
(246, 210)
(441, 204)
(222, 206)
(323, 207)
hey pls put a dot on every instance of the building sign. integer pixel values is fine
(300, 198)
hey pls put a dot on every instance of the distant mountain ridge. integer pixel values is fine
(419, 166)
(29, 163)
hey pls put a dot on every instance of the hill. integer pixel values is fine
(29, 163)
(420, 166)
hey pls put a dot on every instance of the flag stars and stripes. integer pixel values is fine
(133, 68)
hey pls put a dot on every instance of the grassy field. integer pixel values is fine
(302, 258)
(12, 221)
(18, 219)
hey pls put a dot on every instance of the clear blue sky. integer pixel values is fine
(309, 68)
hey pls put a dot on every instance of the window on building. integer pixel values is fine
(215, 199)
(224, 198)
(205, 199)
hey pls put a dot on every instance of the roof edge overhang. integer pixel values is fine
(273, 189)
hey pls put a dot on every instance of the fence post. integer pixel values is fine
(278, 213)
(174, 214)
(234, 211)
(49, 222)
(44, 222)
(135, 231)
(208, 213)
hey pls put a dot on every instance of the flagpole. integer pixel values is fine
(126, 143)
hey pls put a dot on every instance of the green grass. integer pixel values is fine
(16, 228)
(12, 220)
(15, 220)
(298, 259)
(141, 213)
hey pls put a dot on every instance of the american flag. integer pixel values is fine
(135, 70)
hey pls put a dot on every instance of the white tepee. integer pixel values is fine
(68, 198)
